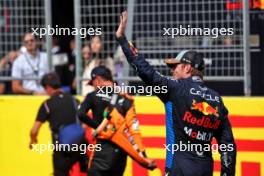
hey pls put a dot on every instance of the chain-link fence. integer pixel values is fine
(158, 28)
(155, 28)
(16, 18)
(104, 15)
(203, 20)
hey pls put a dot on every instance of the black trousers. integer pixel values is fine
(189, 166)
(63, 162)
(95, 172)
(110, 161)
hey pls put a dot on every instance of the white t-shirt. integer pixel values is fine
(27, 66)
(87, 75)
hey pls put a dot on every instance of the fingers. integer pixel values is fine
(124, 17)
(124, 13)
(122, 26)
(121, 18)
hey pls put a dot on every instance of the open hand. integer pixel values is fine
(122, 25)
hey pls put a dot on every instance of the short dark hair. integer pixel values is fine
(52, 80)
(102, 71)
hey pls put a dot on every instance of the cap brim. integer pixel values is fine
(171, 61)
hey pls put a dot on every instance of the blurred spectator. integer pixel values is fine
(31, 64)
(88, 64)
(73, 48)
(55, 46)
(119, 59)
(5, 71)
(207, 41)
(228, 41)
(60, 61)
(71, 66)
(97, 53)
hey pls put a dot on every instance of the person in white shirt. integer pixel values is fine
(89, 65)
(31, 64)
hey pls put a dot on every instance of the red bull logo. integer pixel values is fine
(205, 122)
(205, 108)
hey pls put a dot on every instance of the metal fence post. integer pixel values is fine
(48, 22)
(246, 49)
(78, 59)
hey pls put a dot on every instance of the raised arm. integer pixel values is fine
(145, 71)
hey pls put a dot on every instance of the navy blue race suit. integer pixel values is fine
(194, 115)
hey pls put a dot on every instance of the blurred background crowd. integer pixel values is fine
(233, 63)
(31, 60)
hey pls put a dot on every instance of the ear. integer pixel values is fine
(188, 68)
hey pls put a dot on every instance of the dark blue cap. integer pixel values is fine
(102, 71)
(193, 58)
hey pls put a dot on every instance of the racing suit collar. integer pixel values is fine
(197, 79)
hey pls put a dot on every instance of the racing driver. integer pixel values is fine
(195, 114)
